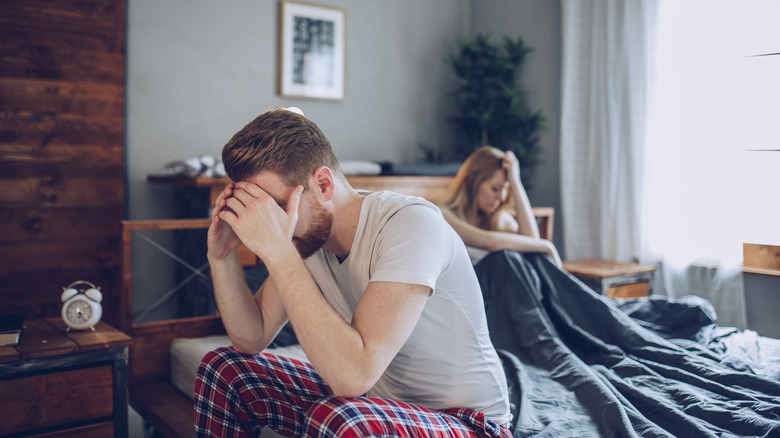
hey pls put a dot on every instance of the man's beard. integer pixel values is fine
(317, 234)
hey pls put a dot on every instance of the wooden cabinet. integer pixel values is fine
(613, 279)
(64, 384)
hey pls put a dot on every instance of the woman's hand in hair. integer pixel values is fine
(511, 167)
(526, 223)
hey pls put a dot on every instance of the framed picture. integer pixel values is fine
(312, 51)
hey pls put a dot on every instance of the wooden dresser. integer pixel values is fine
(64, 384)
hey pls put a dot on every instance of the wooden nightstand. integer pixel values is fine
(62, 384)
(613, 279)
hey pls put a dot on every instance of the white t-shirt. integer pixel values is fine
(448, 361)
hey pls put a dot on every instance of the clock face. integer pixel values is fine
(79, 312)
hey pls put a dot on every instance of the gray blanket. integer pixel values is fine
(582, 365)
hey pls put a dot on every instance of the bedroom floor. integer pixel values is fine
(136, 428)
(135, 424)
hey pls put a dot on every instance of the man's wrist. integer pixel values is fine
(281, 254)
(230, 258)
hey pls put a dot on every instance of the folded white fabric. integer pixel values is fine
(204, 165)
(356, 168)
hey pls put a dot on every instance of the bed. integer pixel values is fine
(577, 363)
(152, 390)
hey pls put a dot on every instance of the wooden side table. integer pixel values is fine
(63, 384)
(613, 279)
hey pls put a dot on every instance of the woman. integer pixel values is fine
(478, 202)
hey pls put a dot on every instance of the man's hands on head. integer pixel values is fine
(251, 320)
(256, 219)
(222, 241)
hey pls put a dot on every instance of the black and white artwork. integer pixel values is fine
(312, 61)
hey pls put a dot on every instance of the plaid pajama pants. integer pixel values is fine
(237, 394)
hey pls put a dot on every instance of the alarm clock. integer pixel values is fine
(81, 308)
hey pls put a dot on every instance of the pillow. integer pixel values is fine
(356, 168)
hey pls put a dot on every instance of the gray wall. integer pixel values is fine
(197, 71)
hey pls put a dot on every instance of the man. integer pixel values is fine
(378, 288)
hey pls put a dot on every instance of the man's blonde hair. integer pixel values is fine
(280, 141)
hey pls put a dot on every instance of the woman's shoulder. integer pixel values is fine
(450, 214)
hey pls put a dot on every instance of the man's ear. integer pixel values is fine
(323, 179)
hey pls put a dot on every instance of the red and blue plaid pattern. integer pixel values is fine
(237, 394)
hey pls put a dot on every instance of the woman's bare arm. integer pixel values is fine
(498, 240)
(526, 221)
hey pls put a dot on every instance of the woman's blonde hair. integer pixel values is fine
(462, 194)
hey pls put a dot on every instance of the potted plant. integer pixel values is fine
(491, 107)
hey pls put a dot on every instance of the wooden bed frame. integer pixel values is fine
(151, 392)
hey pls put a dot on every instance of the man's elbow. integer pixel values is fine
(349, 390)
(247, 346)
(350, 386)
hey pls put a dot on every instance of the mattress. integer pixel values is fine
(186, 354)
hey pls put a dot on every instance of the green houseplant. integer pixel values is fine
(490, 104)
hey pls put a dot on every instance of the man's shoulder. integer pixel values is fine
(404, 218)
(387, 204)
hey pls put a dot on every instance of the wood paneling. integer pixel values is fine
(62, 82)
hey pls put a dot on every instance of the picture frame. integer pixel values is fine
(312, 51)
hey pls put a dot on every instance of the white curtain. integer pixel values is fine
(661, 102)
(706, 191)
(607, 49)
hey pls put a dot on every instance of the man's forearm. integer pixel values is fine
(237, 307)
(332, 345)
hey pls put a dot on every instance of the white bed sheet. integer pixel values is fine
(186, 354)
